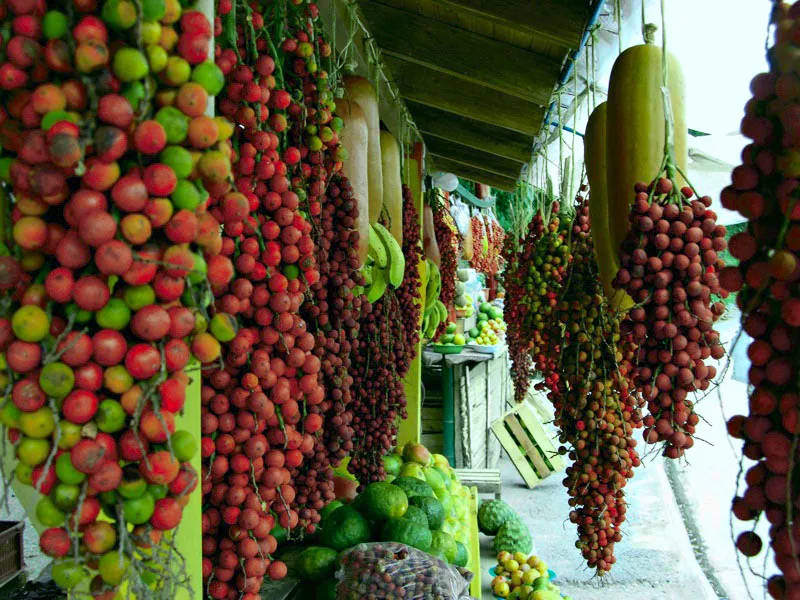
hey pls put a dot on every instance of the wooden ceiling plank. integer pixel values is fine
(477, 175)
(472, 157)
(463, 54)
(562, 21)
(494, 140)
(431, 88)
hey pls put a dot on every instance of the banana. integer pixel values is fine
(433, 287)
(366, 270)
(433, 323)
(377, 249)
(378, 286)
(397, 260)
(443, 314)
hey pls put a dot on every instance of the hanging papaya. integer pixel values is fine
(392, 184)
(354, 139)
(635, 128)
(362, 92)
(594, 157)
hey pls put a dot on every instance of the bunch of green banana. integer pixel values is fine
(433, 287)
(386, 264)
(435, 315)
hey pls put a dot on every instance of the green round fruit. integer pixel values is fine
(78, 314)
(174, 122)
(184, 445)
(114, 315)
(224, 326)
(179, 159)
(381, 501)
(112, 567)
(199, 271)
(139, 510)
(186, 195)
(153, 10)
(137, 297)
(210, 76)
(65, 496)
(49, 514)
(33, 452)
(55, 24)
(66, 472)
(54, 116)
(68, 574)
(110, 416)
(57, 380)
(130, 65)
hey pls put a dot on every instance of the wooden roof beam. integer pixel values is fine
(472, 157)
(472, 133)
(477, 175)
(451, 94)
(561, 21)
(460, 53)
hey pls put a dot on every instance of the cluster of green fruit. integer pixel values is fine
(421, 504)
(511, 534)
(451, 337)
(490, 329)
(522, 577)
(435, 311)
(463, 301)
(386, 263)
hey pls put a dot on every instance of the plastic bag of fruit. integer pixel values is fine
(392, 571)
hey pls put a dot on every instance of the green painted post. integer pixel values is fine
(448, 412)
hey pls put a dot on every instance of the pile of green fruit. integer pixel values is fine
(420, 504)
(450, 336)
(490, 328)
(463, 301)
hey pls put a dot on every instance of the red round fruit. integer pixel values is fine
(90, 293)
(80, 406)
(110, 347)
(143, 361)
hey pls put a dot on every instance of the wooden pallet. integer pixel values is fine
(528, 444)
(487, 481)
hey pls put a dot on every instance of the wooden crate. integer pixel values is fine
(529, 446)
(486, 481)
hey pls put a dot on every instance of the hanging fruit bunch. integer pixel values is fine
(596, 410)
(762, 190)
(109, 162)
(480, 244)
(447, 240)
(410, 292)
(267, 473)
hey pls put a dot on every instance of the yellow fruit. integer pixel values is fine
(511, 565)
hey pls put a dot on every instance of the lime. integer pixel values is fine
(54, 24)
(174, 122)
(49, 514)
(179, 159)
(38, 424)
(138, 296)
(153, 10)
(210, 76)
(66, 472)
(117, 379)
(223, 326)
(30, 323)
(114, 315)
(151, 32)
(129, 64)
(119, 14)
(157, 57)
(139, 510)
(186, 195)
(81, 316)
(57, 380)
(67, 574)
(65, 496)
(110, 416)
(198, 273)
(54, 116)
(184, 446)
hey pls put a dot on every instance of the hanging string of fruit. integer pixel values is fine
(264, 413)
(596, 411)
(669, 266)
(410, 292)
(108, 162)
(447, 240)
(762, 190)
(480, 244)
